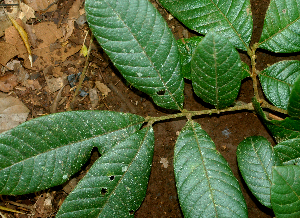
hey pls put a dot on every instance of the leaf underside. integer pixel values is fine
(141, 46)
(116, 184)
(285, 191)
(205, 184)
(46, 151)
(289, 151)
(216, 71)
(277, 81)
(294, 100)
(230, 18)
(256, 158)
(281, 30)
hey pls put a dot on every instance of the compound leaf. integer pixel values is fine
(277, 81)
(289, 128)
(281, 30)
(205, 184)
(141, 46)
(46, 151)
(289, 151)
(216, 71)
(294, 100)
(116, 184)
(256, 158)
(285, 191)
(186, 49)
(230, 18)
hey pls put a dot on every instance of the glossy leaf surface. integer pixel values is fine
(289, 128)
(256, 158)
(294, 100)
(230, 18)
(205, 184)
(289, 151)
(186, 49)
(46, 151)
(277, 81)
(216, 71)
(281, 30)
(285, 191)
(141, 45)
(116, 184)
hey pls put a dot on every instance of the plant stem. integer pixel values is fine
(265, 104)
(251, 53)
(190, 114)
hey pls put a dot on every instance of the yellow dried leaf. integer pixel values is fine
(84, 51)
(23, 35)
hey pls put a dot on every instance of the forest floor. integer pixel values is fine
(56, 37)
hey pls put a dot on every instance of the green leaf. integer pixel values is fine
(116, 184)
(205, 184)
(277, 81)
(186, 49)
(285, 191)
(230, 18)
(256, 158)
(289, 151)
(141, 46)
(281, 27)
(245, 70)
(294, 101)
(46, 151)
(288, 128)
(216, 71)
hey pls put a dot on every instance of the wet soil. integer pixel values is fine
(226, 130)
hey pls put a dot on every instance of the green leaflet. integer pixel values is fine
(205, 184)
(294, 100)
(46, 151)
(277, 81)
(186, 49)
(256, 158)
(116, 184)
(288, 128)
(285, 191)
(281, 30)
(245, 70)
(141, 46)
(230, 18)
(289, 151)
(216, 71)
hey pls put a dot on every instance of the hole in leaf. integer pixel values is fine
(103, 191)
(111, 178)
(161, 92)
(131, 212)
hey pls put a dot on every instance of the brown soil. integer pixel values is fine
(226, 130)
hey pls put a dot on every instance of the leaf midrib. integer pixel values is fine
(70, 144)
(279, 32)
(151, 62)
(230, 24)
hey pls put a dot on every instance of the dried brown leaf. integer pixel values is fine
(8, 82)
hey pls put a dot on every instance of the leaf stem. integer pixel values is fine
(265, 104)
(190, 114)
(252, 55)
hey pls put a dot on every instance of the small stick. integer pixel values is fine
(82, 76)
